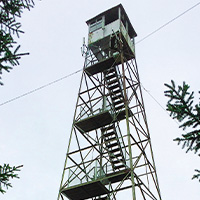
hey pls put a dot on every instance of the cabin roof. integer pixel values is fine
(112, 9)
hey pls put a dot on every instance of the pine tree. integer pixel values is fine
(7, 172)
(182, 108)
(10, 28)
(10, 12)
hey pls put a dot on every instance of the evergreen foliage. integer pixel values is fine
(10, 11)
(181, 107)
(7, 172)
(10, 28)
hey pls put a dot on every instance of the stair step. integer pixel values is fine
(119, 107)
(114, 150)
(112, 145)
(113, 86)
(110, 70)
(119, 166)
(115, 91)
(116, 155)
(115, 97)
(110, 139)
(109, 134)
(112, 82)
(110, 76)
(118, 102)
(117, 161)
(107, 128)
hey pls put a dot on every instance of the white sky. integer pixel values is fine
(35, 129)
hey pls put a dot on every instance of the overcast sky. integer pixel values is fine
(35, 129)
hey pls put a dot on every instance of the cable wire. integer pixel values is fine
(39, 88)
(60, 79)
(169, 22)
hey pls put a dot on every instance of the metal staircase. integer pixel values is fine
(113, 147)
(110, 136)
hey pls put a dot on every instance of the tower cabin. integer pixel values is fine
(110, 42)
(109, 33)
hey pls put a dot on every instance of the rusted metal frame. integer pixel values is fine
(83, 92)
(134, 90)
(97, 77)
(80, 151)
(137, 103)
(70, 138)
(120, 184)
(121, 135)
(91, 104)
(147, 189)
(101, 138)
(78, 166)
(133, 123)
(131, 68)
(137, 99)
(98, 140)
(87, 90)
(92, 56)
(142, 131)
(82, 112)
(88, 161)
(110, 92)
(107, 150)
(92, 139)
(135, 72)
(144, 158)
(135, 93)
(152, 175)
(84, 158)
(95, 84)
(62, 197)
(127, 121)
(139, 157)
(93, 145)
(141, 149)
(86, 102)
(115, 156)
(111, 193)
(148, 133)
(95, 89)
(132, 144)
(149, 163)
(151, 196)
(145, 118)
(139, 185)
(86, 105)
(146, 174)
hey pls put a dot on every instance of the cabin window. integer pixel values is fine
(111, 16)
(96, 24)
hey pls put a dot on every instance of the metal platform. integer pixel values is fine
(118, 176)
(100, 66)
(94, 122)
(94, 188)
(85, 191)
(122, 115)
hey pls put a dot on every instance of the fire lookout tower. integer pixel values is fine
(109, 154)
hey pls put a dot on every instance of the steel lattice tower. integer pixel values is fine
(109, 154)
